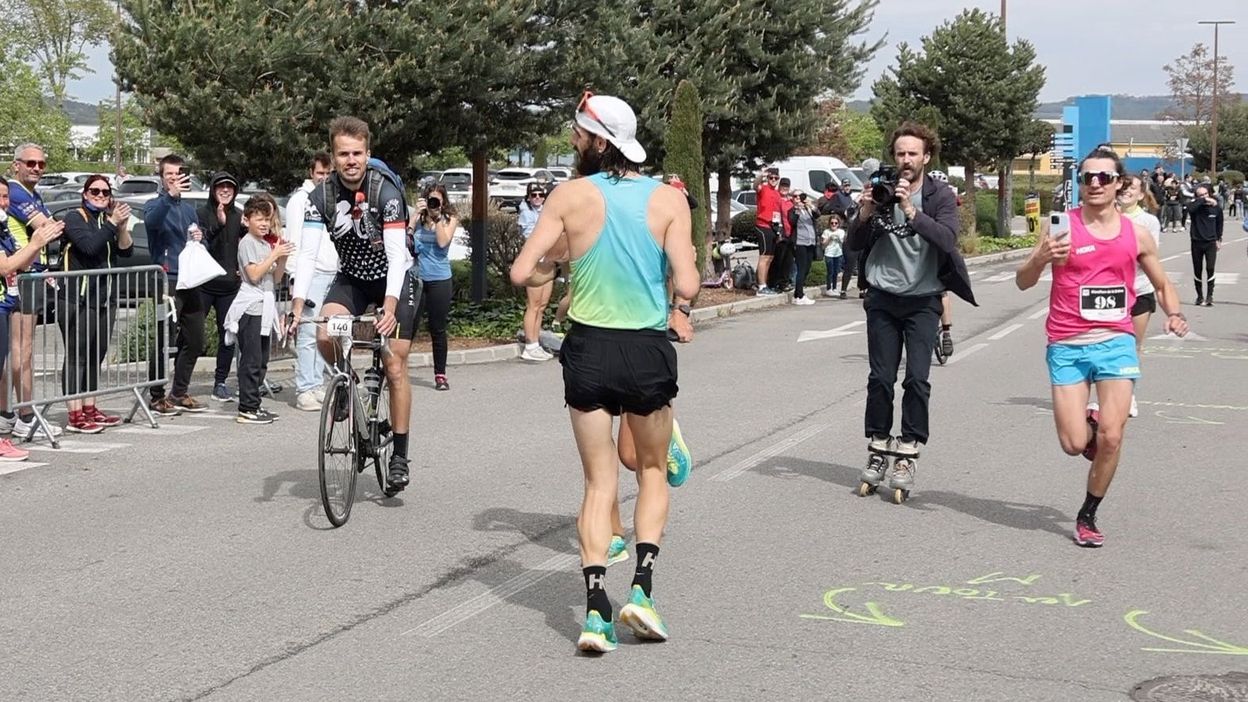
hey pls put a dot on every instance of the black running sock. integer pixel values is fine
(400, 444)
(945, 327)
(596, 591)
(646, 555)
(1090, 503)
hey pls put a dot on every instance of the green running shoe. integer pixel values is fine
(597, 635)
(618, 551)
(640, 616)
(679, 460)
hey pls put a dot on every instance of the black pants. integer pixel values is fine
(225, 354)
(851, 268)
(1204, 255)
(86, 325)
(805, 255)
(781, 265)
(253, 362)
(436, 303)
(189, 335)
(893, 322)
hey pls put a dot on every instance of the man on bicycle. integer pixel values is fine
(363, 211)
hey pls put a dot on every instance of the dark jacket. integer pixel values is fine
(937, 223)
(221, 240)
(166, 219)
(1206, 221)
(90, 243)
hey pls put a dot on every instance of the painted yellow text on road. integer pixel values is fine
(874, 614)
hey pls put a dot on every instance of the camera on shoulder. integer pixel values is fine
(884, 185)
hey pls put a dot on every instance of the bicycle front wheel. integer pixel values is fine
(381, 436)
(338, 450)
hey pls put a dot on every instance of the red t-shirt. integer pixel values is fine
(769, 205)
(786, 206)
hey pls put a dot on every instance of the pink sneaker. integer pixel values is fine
(1089, 451)
(11, 453)
(1087, 535)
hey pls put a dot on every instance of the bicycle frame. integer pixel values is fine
(339, 328)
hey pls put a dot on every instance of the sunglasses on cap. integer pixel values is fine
(32, 163)
(1101, 178)
(100, 192)
(587, 109)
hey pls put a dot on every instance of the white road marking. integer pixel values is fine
(73, 446)
(843, 330)
(1042, 312)
(963, 353)
(1006, 332)
(7, 468)
(998, 278)
(471, 608)
(773, 450)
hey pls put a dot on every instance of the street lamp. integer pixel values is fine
(1213, 164)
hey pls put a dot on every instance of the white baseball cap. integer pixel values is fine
(612, 119)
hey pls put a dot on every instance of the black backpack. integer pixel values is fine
(743, 277)
(374, 179)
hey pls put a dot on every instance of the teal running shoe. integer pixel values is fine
(597, 635)
(640, 616)
(618, 551)
(679, 460)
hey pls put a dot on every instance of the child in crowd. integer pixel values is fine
(253, 318)
(833, 254)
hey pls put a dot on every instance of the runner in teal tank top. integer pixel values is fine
(622, 232)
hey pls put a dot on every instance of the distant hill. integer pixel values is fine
(1122, 106)
(82, 113)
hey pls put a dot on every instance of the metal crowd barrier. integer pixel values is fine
(85, 334)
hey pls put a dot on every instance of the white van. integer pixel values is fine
(812, 173)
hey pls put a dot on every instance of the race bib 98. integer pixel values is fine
(1103, 303)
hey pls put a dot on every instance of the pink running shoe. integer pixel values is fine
(1087, 535)
(1094, 419)
(11, 453)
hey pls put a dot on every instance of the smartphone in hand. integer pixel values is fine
(1059, 226)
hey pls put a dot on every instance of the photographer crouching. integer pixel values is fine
(906, 229)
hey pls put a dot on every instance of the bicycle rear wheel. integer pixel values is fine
(338, 449)
(940, 350)
(381, 435)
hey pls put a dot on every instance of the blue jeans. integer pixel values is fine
(309, 365)
(834, 269)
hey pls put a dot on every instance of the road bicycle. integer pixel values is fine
(355, 419)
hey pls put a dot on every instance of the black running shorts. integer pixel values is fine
(1144, 304)
(618, 370)
(356, 295)
(766, 241)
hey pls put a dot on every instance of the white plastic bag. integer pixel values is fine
(196, 266)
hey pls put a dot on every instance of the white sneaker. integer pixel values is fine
(829, 292)
(320, 394)
(535, 354)
(22, 428)
(307, 401)
(803, 301)
(1135, 409)
(6, 424)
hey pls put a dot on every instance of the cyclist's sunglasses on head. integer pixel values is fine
(587, 109)
(1101, 178)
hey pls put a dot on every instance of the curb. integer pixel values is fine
(507, 352)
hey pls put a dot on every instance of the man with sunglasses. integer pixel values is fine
(1089, 327)
(26, 214)
(768, 220)
(621, 231)
(910, 257)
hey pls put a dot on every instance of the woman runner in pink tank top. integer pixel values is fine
(1090, 333)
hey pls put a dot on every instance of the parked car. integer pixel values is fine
(747, 198)
(561, 173)
(51, 183)
(149, 186)
(131, 289)
(508, 186)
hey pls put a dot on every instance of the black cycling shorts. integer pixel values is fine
(617, 370)
(1144, 304)
(356, 295)
(766, 241)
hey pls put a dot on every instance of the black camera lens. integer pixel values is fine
(433, 202)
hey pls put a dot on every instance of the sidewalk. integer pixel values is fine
(507, 352)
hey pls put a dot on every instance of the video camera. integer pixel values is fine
(884, 185)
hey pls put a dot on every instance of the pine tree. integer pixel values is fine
(684, 158)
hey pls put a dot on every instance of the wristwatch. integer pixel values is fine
(686, 309)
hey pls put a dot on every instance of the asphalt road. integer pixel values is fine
(194, 562)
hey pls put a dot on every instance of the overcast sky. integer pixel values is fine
(1088, 46)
